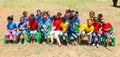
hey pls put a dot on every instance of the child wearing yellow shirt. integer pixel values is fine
(64, 26)
(87, 30)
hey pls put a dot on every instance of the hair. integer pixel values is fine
(24, 12)
(22, 17)
(71, 17)
(89, 20)
(38, 10)
(63, 18)
(91, 12)
(100, 15)
(94, 18)
(59, 13)
(54, 17)
(76, 12)
(10, 18)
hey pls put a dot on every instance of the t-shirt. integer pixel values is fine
(26, 19)
(23, 25)
(97, 27)
(56, 24)
(33, 25)
(106, 26)
(82, 27)
(44, 24)
(64, 26)
(71, 29)
(89, 29)
(11, 25)
(38, 19)
(77, 21)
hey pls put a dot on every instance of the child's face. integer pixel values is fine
(45, 18)
(72, 20)
(92, 14)
(26, 14)
(95, 20)
(99, 16)
(22, 20)
(89, 23)
(9, 20)
(76, 15)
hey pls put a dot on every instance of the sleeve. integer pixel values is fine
(15, 25)
(92, 29)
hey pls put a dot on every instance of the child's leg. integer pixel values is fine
(107, 35)
(93, 37)
(14, 36)
(51, 36)
(56, 36)
(8, 36)
(82, 34)
(99, 39)
(90, 38)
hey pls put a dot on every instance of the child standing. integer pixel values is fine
(22, 27)
(11, 27)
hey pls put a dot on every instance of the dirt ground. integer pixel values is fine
(110, 13)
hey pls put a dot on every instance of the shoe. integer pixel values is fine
(93, 44)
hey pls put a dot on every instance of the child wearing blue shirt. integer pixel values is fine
(25, 15)
(71, 30)
(22, 27)
(44, 27)
(11, 27)
(39, 16)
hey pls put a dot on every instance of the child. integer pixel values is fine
(39, 16)
(33, 28)
(88, 29)
(64, 26)
(71, 31)
(91, 15)
(96, 32)
(11, 27)
(56, 30)
(49, 17)
(22, 27)
(25, 15)
(44, 27)
(100, 17)
(106, 26)
(77, 21)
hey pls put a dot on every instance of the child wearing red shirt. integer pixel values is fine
(96, 32)
(33, 28)
(106, 26)
(56, 30)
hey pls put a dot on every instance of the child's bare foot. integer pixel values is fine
(59, 45)
(108, 48)
(51, 43)
(31, 42)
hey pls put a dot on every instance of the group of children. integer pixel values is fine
(60, 27)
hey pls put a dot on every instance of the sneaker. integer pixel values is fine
(97, 45)
(93, 44)
(43, 43)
